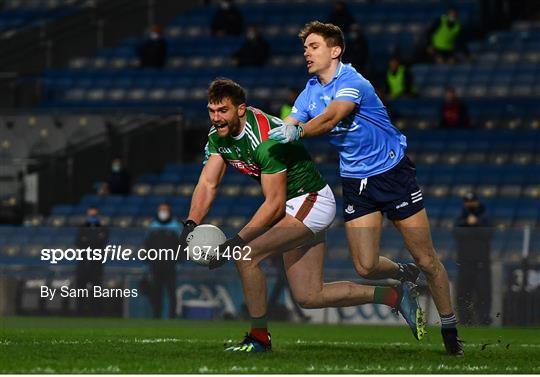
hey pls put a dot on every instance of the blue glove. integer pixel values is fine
(286, 133)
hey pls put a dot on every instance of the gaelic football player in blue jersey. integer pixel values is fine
(378, 178)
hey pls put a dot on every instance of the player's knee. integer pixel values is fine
(243, 264)
(309, 304)
(307, 300)
(429, 263)
(365, 268)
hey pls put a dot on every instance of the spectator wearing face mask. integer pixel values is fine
(228, 20)
(89, 273)
(164, 233)
(119, 180)
(255, 50)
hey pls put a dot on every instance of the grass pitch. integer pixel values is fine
(64, 345)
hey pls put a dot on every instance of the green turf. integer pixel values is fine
(54, 345)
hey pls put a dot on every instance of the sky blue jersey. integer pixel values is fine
(367, 142)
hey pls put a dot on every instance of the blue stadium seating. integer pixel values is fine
(494, 70)
(18, 15)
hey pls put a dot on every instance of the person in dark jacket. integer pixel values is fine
(255, 50)
(119, 181)
(341, 16)
(228, 20)
(89, 273)
(454, 112)
(153, 51)
(357, 50)
(164, 233)
(472, 236)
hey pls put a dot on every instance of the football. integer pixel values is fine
(202, 243)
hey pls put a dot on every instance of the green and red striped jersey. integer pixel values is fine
(252, 153)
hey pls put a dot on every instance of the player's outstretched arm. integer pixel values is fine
(206, 189)
(274, 187)
(291, 120)
(328, 119)
(320, 125)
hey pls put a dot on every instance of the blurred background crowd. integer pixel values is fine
(103, 124)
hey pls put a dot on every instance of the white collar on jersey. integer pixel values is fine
(241, 134)
(338, 69)
(336, 74)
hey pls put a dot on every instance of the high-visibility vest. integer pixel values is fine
(285, 111)
(396, 81)
(444, 38)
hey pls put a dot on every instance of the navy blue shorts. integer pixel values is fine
(395, 193)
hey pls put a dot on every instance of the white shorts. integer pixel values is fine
(315, 209)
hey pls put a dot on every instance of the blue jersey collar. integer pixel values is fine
(339, 68)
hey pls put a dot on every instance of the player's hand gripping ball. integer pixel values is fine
(224, 251)
(203, 243)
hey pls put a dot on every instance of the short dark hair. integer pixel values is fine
(222, 88)
(332, 34)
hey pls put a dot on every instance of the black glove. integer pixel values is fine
(231, 243)
(189, 225)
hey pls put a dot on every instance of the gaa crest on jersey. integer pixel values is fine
(224, 150)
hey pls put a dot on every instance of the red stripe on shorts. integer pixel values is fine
(306, 207)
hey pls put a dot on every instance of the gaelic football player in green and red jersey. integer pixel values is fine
(298, 207)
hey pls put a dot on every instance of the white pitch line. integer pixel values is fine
(109, 369)
(285, 342)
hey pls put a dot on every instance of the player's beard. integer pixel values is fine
(232, 127)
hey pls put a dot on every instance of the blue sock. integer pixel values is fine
(448, 321)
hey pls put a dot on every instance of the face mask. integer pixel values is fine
(164, 215)
(353, 35)
(225, 5)
(251, 35)
(154, 35)
(451, 19)
(116, 168)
